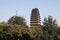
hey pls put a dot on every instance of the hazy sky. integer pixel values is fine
(46, 7)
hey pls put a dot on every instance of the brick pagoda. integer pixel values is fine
(35, 17)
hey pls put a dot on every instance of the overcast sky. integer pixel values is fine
(46, 7)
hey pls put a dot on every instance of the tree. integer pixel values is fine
(35, 32)
(11, 32)
(50, 24)
(5, 31)
(17, 20)
(58, 30)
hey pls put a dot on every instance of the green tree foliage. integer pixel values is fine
(50, 25)
(35, 32)
(17, 20)
(15, 32)
(58, 30)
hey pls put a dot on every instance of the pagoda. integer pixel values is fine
(35, 17)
